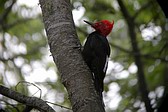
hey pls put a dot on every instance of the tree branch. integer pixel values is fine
(148, 56)
(30, 52)
(10, 104)
(145, 6)
(30, 101)
(7, 11)
(20, 21)
(141, 76)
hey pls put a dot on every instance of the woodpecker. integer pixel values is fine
(96, 52)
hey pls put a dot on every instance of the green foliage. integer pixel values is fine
(23, 49)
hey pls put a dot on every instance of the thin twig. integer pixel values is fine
(30, 84)
(7, 11)
(144, 7)
(59, 105)
(19, 21)
(148, 56)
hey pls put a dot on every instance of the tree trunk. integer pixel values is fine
(66, 51)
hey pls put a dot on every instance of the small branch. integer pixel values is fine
(163, 101)
(12, 105)
(31, 52)
(5, 14)
(166, 80)
(19, 21)
(137, 57)
(7, 11)
(59, 105)
(148, 56)
(30, 101)
(153, 57)
(30, 84)
(145, 6)
(120, 48)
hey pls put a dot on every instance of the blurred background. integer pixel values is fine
(25, 55)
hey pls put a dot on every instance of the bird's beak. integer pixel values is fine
(112, 22)
(88, 22)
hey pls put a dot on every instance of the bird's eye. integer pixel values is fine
(100, 23)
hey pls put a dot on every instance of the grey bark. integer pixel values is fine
(66, 51)
(34, 102)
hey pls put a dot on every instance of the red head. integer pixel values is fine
(104, 27)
